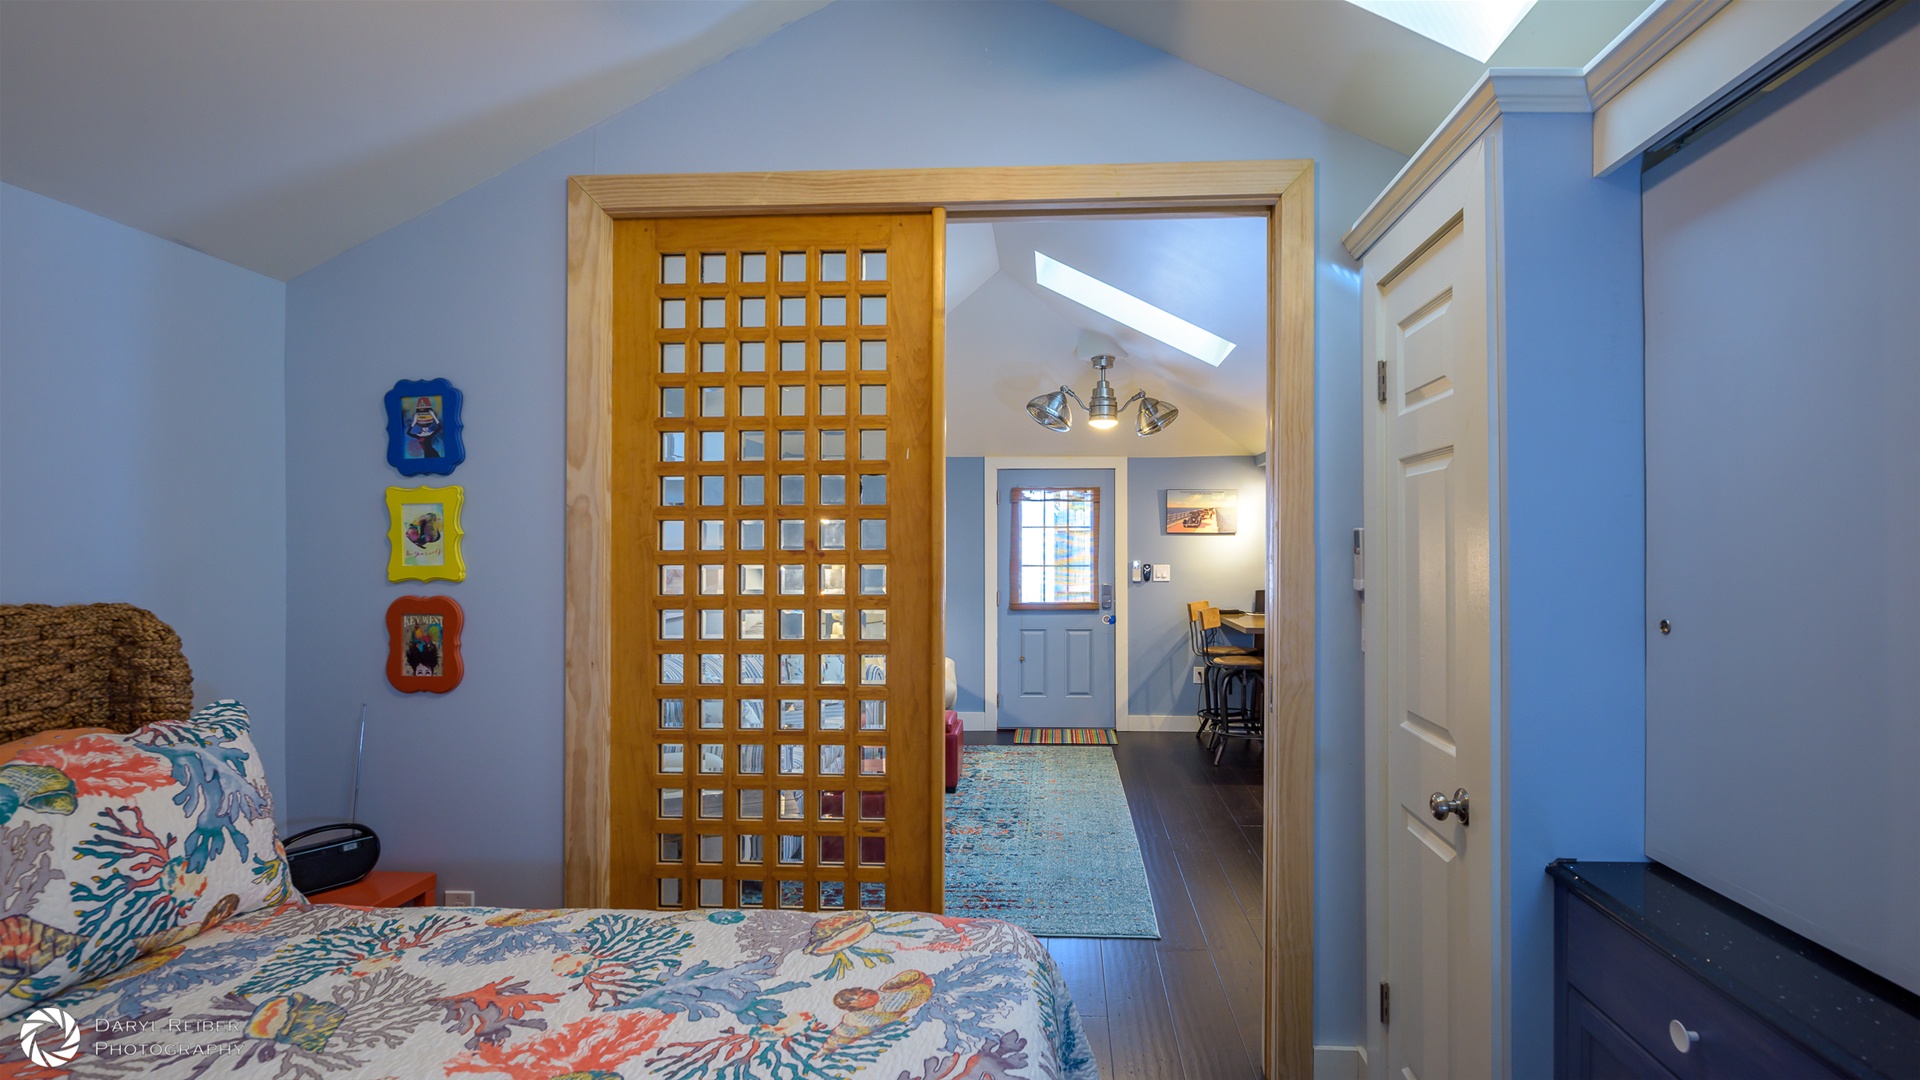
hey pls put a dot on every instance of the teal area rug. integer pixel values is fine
(1040, 836)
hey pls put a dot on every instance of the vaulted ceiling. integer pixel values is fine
(278, 134)
(1009, 338)
(1351, 67)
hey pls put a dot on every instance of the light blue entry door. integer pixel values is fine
(1055, 604)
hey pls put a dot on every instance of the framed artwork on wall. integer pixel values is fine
(423, 533)
(1193, 512)
(423, 644)
(423, 427)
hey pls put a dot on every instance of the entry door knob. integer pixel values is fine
(1442, 806)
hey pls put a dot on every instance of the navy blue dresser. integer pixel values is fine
(1658, 978)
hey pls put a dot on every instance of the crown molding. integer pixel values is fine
(1640, 46)
(1499, 91)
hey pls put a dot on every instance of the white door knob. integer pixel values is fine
(1683, 1039)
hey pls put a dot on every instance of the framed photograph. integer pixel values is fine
(424, 533)
(423, 427)
(1194, 512)
(423, 644)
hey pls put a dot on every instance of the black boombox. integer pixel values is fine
(330, 856)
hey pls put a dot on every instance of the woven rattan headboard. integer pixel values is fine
(88, 665)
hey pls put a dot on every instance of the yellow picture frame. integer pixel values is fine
(424, 533)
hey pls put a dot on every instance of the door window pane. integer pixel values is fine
(1056, 543)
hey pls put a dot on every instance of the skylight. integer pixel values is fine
(1131, 310)
(1473, 27)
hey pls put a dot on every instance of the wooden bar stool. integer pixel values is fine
(1204, 651)
(1227, 672)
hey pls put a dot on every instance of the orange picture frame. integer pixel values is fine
(423, 644)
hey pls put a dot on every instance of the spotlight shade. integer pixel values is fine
(1155, 416)
(1050, 411)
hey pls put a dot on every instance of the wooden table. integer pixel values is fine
(1246, 622)
(384, 888)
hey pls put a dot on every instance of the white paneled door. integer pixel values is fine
(1429, 586)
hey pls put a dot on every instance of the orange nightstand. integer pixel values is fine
(383, 888)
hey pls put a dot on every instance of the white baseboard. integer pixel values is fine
(976, 721)
(1133, 722)
(1339, 1063)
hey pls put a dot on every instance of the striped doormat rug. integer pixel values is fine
(1065, 736)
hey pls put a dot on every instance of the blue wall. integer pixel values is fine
(1223, 569)
(474, 290)
(143, 443)
(967, 581)
(1574, 523)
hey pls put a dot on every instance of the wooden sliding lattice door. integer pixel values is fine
(776, 570)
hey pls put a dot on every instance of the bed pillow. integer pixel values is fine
(11, 750)
(113, 847)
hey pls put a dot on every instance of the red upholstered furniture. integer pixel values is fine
(954, 730)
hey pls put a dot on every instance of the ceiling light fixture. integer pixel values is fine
(1103, 407)
(1124, 307)
(1473, 28)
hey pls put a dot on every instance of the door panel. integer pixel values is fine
(1429, 503)
(1033, 663)
(777, 604)
(1079, 663)
(1056, 666)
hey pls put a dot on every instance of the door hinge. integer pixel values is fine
(1380, 380)
(1385, 1009)
(997, 701)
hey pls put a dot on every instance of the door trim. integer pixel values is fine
(1283, 189)
(991, 530)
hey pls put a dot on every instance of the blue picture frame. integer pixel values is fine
(423, 437)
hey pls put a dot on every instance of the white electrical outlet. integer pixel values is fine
(459, 898)
(1196, 674)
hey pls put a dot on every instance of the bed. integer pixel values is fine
(148, 928)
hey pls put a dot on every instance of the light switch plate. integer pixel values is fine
(459, 898)
(1162, 571)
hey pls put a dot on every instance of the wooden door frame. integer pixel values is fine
(1282, 189)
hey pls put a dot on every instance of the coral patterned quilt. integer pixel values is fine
(326, 991)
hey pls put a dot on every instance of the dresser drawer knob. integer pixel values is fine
(1683, 1039)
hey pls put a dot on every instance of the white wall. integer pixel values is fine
(143, 443)
(474, 291)
(1783, 502)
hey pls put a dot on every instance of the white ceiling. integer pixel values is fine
(1351, 67)
(1009, 339)
(278, 134)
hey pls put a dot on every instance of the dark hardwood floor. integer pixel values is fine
(1185, 1007)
